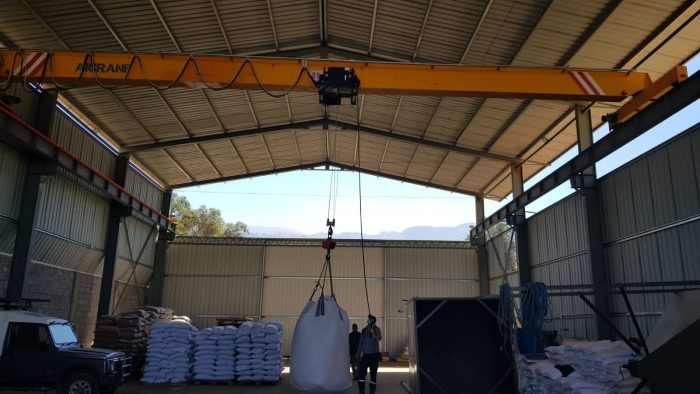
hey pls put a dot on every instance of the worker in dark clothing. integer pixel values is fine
(368, 354)
(354, 339)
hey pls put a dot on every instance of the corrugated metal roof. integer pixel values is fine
(600, 33)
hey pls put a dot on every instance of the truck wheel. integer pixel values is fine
(80, 383)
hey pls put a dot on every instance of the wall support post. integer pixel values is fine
(37, 169)
(517, 220)
(482, 253)
(116, 213)
(587, 182)
(155, 287)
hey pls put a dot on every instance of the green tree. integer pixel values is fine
(202, 221)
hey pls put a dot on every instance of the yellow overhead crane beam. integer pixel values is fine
(65, 69)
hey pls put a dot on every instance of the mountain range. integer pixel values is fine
(422, 233)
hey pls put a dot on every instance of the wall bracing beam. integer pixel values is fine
(116, 213)
(33, 187)
(682, 95)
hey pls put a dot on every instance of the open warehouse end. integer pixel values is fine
(509, 196)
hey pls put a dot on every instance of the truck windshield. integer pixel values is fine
(63, 335)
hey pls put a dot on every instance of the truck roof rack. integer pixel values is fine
(21, 304)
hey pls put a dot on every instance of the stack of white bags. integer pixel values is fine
(258, 352)
(169, 354)
(214, 358)
(273, 340)
(597, 369)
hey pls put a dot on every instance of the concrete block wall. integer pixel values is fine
(73, 295)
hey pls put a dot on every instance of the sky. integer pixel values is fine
(299, 200)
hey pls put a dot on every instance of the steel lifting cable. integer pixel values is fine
(359, 189)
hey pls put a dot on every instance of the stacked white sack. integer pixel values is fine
(214, 358)
(597, 369)
(169, 355)
(246, 363)
(272, 361)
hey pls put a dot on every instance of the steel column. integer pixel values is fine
(520, 225)
(481, 252)
(116, 213)
(588, 183)
(31, 194)
(155, 287)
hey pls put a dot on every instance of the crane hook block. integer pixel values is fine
(328, 244)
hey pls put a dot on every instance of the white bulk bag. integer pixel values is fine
(320, 348)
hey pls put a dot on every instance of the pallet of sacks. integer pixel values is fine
(580, 367)
(129, 331)
(214, 355)
(170, 352)
(259, 352)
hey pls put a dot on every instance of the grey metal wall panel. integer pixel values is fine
(211, 297)
(308, 261)
(64, 253)
(431, 263)
(66, 133)
(13, 166)
(210, 260)
(558, 231)
(287, 297)
(398, 291)
(8, 233)
(495, 283)
(73, 212)
(143, 189)
(134, 236)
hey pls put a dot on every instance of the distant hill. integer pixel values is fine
(422, 233)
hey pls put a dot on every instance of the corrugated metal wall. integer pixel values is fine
(209, 281)
(291, 274)
(501, 247)
(559, 255)
(651, 220)
(200, 276)
(419, 272)
(650, 211)
(71, 226)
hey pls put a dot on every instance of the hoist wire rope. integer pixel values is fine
(359, 190)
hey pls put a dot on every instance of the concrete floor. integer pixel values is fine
(389, 382)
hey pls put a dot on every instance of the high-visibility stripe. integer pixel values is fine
(593, 83)
(581, 82)
(587, 83)
(25, 60)
(38, 61)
